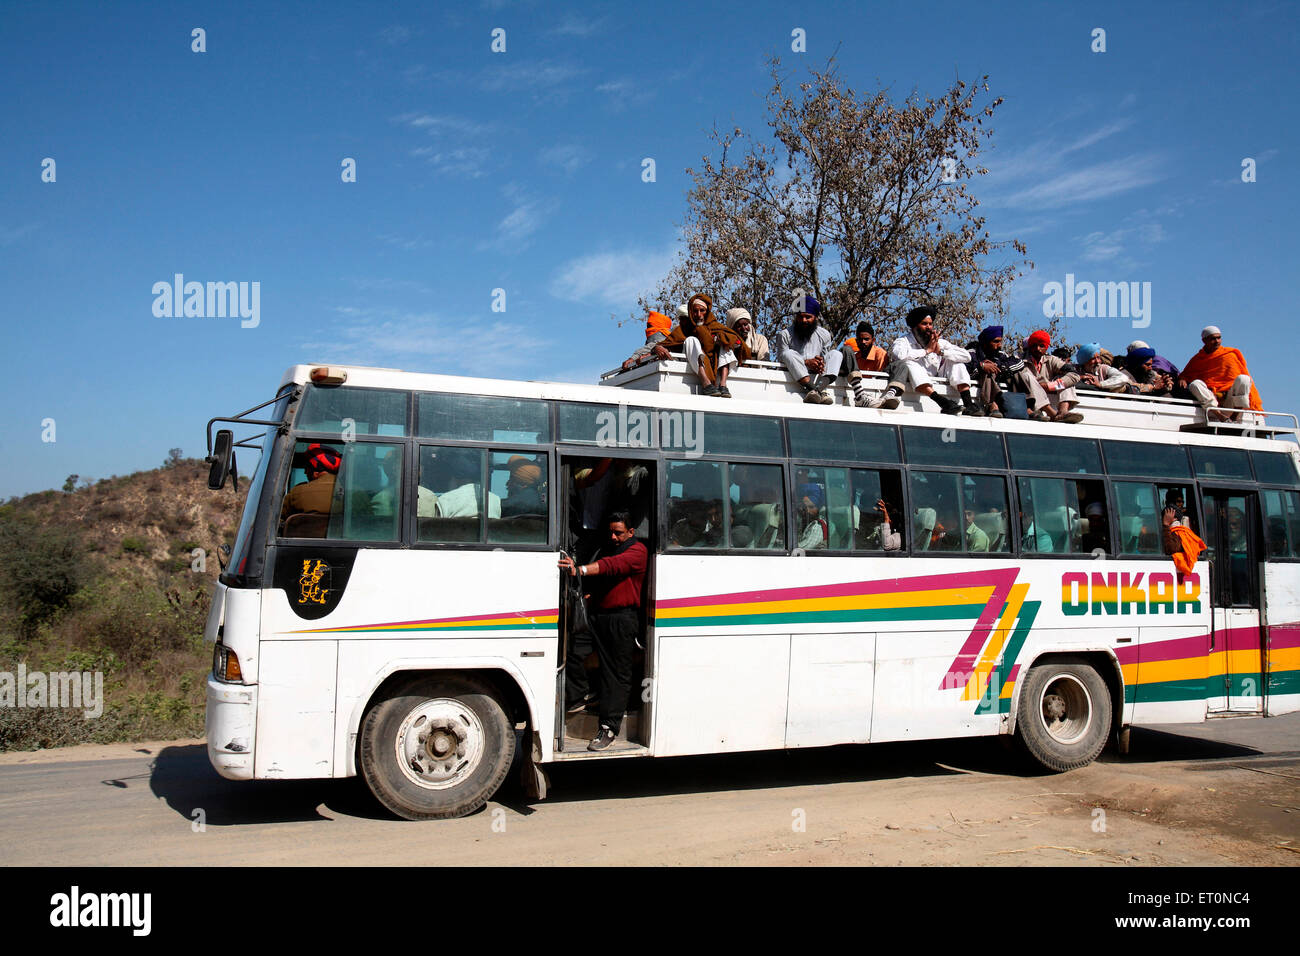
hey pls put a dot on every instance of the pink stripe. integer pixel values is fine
(1282, 636)
(968, 655)
(850, 589)
(455, 620)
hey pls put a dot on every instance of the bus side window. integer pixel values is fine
(1139, 519)
(937, 511)
(345, 491)
(519, 481)
(755, 499)
(1047, 517)
(985, 510)
(449, 499)
(695, 505)
(809, 507)
(870, 487)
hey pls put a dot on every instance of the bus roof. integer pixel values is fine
(764, 388)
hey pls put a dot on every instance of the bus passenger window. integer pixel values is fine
(519, 481)
(453, 479)
(877, 502)
(985, 518)
(757, 517)
(346, 493)
(809, 507)
(936, 511)
(695, 512)
(1280, 522)
(1139, 518)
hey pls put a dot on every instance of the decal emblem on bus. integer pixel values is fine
(310, 582)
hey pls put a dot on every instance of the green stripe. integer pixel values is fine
(992, 701)
(852, 615)
(1284, 682)
(1166, 690)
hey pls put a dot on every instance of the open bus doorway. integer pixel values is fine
(593, 488)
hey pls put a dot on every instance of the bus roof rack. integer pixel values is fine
(768, 381)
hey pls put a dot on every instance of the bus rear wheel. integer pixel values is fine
(1064, 714)
(436, 748)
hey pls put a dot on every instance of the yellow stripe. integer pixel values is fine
(852, 602)
(979, 680)
(1284, 659)
(1152, 672)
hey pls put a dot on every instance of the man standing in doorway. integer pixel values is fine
(614, 623)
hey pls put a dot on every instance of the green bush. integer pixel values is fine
(135, 545)
(41, 568)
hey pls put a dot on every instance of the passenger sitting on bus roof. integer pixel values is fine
(316, 494)
(862, 354)
(878, 533)
(922, 354)
(805, 349)
(990, 368)
(743, 323)
(1056, 379)
(711, 348)
(1096, 373)
(811, 498)
(976, 539)
(523, 488)
(1139, 370)
(657, 327)
(1218, 376)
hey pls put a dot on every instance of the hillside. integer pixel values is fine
(101, 579)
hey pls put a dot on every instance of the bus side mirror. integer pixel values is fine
(221, 459)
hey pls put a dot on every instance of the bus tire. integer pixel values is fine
(1063, 718)
(437, 748)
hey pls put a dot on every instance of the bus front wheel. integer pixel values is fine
(1064, 714)
(436, 748)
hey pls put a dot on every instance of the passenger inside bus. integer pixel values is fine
(809, 501)
(306, 509)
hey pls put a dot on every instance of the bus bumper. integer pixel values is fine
(231, 717)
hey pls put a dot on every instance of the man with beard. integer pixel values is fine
(922, 355)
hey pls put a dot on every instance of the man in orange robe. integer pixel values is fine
(1217, 375)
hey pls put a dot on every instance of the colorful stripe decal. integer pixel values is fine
(516, 621)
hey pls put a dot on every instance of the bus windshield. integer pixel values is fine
(239, 552)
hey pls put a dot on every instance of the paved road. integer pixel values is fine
(1222, 793)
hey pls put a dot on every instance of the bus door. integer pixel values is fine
(1234, 683)
(592, 486)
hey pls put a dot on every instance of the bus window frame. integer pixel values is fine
(1013, 502)
(664, 460)
(902, 471)
(341, 543)
(1071, 476)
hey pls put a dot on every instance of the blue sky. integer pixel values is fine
(522, 171)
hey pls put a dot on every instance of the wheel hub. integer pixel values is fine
(440, 743)
(1066, 708)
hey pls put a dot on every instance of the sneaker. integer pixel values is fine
(992, 412)
(724, 392)
(863, 400)
(949, 407)
(710, 391)
(812, 397)
(973, 410)
(1070, 418)
(604, 737)
(825, 399)
(889, 401)
(580, 705)
(1039, 416)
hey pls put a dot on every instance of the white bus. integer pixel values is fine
(407, 621)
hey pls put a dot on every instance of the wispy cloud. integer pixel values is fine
(1087, 184)
(1110, 245)
(528, 76)
(574, 25)
(471, 161)
(569, 157)
(425, 341)
(622, 93)
(527, 215)
(395, 35)
(11, 234)
(409, 243)
(436, 124)
(612, 278)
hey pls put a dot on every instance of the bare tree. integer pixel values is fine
(861, 201)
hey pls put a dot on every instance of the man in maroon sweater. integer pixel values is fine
(615, 618)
